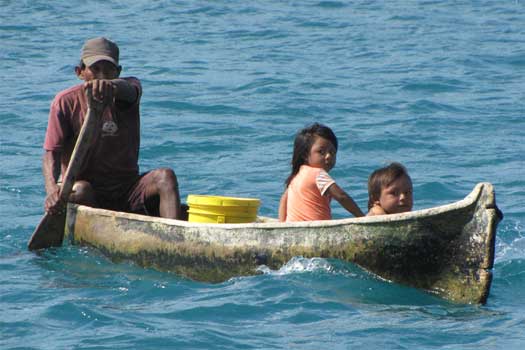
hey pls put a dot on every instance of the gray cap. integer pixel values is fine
(99, 49)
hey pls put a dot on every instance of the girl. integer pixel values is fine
(390, 190)
(309, 188)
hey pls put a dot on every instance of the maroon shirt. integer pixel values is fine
(113, 156)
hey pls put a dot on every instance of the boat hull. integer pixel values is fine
(447, 250)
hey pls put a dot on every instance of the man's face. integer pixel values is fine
(99, 70)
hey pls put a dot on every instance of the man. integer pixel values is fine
(110, 177)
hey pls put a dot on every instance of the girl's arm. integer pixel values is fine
(282, 206)
(344, 199)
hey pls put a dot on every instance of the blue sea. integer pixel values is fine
(436, 85)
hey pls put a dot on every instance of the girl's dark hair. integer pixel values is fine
(304, 141)
(382, 178)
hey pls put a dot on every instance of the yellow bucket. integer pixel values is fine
(222, 210)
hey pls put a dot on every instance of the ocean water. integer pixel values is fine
(436, 85)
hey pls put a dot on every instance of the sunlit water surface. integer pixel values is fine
(438, 86)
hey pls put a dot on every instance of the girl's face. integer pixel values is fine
(397, 197)
(322, 154)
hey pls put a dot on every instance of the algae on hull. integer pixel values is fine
(447, 250)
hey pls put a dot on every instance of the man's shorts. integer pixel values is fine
(129, 197)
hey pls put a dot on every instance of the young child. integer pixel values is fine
(309, 188)
(389, 190)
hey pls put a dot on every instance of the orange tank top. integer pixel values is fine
(307, 198)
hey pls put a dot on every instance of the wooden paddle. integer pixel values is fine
(50, 230)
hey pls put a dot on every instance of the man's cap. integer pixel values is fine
(99, 49)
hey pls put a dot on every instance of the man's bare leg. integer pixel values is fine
(83, 194)
(163, 183)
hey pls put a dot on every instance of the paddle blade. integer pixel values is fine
(49, 232)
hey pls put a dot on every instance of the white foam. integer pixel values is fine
(299, 264)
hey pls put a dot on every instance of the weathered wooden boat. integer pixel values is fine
(447, 250)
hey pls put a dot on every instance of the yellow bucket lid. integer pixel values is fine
(222, 201)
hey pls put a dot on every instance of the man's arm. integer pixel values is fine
(106, 89)
(344, 199)
(51, 163)
(125, 91)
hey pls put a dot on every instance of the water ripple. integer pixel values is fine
(435, 85)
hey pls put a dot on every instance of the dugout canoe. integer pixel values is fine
(446, 250)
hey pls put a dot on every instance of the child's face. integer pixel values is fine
(322, 154)
(397, 197)
(99, 70)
